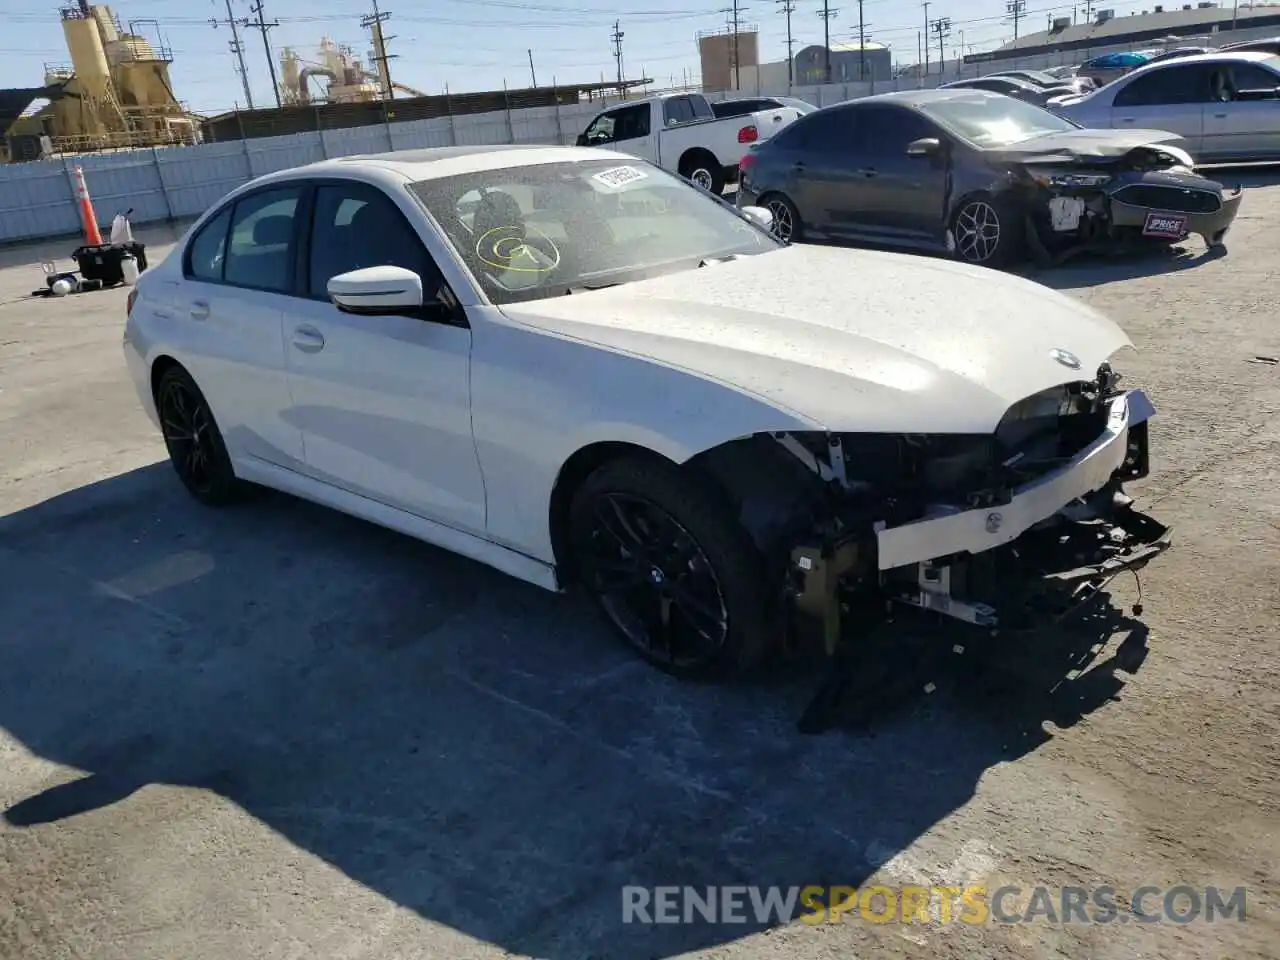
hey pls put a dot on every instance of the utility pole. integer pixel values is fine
(533, 77)
(1088, 9)
(789, 8)
(1017, 9)
(942, 27)
(262, 27)
(826, 14)
(926, 36)
(733, 27)
(862, 45)
(373, 22)
(616, 37)
(238, 49)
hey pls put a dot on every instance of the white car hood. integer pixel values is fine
(848, 340)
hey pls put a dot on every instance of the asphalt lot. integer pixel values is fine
(277, 732)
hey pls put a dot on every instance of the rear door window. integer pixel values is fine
(1172, 85)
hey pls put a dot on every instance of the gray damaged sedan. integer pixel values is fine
(985, 177)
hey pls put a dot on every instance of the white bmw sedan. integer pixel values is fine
(578, 368)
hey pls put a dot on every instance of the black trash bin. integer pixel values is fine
(101, 262)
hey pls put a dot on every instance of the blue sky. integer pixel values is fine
(477, 44)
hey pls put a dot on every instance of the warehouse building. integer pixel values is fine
(1160, 27)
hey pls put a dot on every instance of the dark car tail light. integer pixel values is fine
(745, 164)
(748, 134)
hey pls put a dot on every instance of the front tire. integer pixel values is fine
(193, 440)
(672, 569)
(987, 232)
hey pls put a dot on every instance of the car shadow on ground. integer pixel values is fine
(472, 748)
(1092, 270)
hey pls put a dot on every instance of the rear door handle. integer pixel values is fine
(798, 165)
(866, 172)
(308, 339)
(1220, 116)
(200, 310)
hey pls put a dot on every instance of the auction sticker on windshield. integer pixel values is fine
(616, 177)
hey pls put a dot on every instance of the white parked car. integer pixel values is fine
(579, 369)
(681, 133)
(1225, 106)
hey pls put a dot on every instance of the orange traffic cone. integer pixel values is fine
(89, 219)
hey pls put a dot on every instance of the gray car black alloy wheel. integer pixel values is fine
(978, 232)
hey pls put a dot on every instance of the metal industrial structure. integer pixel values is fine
(348, 79)
(114, 94)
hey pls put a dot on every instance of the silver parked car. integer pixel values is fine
(1225, 106)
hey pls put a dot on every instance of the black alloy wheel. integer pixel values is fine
(676, 576)
(192, 438)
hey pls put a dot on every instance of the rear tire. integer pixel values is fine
(191, 435)
(703, 170)
(987, 231)
(672, 569)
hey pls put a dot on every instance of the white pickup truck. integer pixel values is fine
(681, 133)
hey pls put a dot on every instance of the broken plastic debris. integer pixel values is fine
(930, 687)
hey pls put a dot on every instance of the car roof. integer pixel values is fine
(1221, 56)
(431, 163)
(920, 98)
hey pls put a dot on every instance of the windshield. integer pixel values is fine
(993, 121)
(545, 230)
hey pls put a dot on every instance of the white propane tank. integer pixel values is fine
(129, 268)
(61, 288)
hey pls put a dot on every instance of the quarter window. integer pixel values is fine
(260, 247)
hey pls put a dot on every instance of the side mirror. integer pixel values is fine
(376, 290)
(924, 147)
(582, 140)
(760, 216)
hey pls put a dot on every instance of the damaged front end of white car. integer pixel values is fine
(996, 530)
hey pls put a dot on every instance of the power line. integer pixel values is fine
(373, 22)
(262, 27)
(826, 13)
(789, 8)
(238, 49)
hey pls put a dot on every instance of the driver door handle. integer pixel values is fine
(308, 339)
(200, 310)
(866, 172)
(798, 166)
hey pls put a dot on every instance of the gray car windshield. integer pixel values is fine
(995, 121)
(550, 229)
